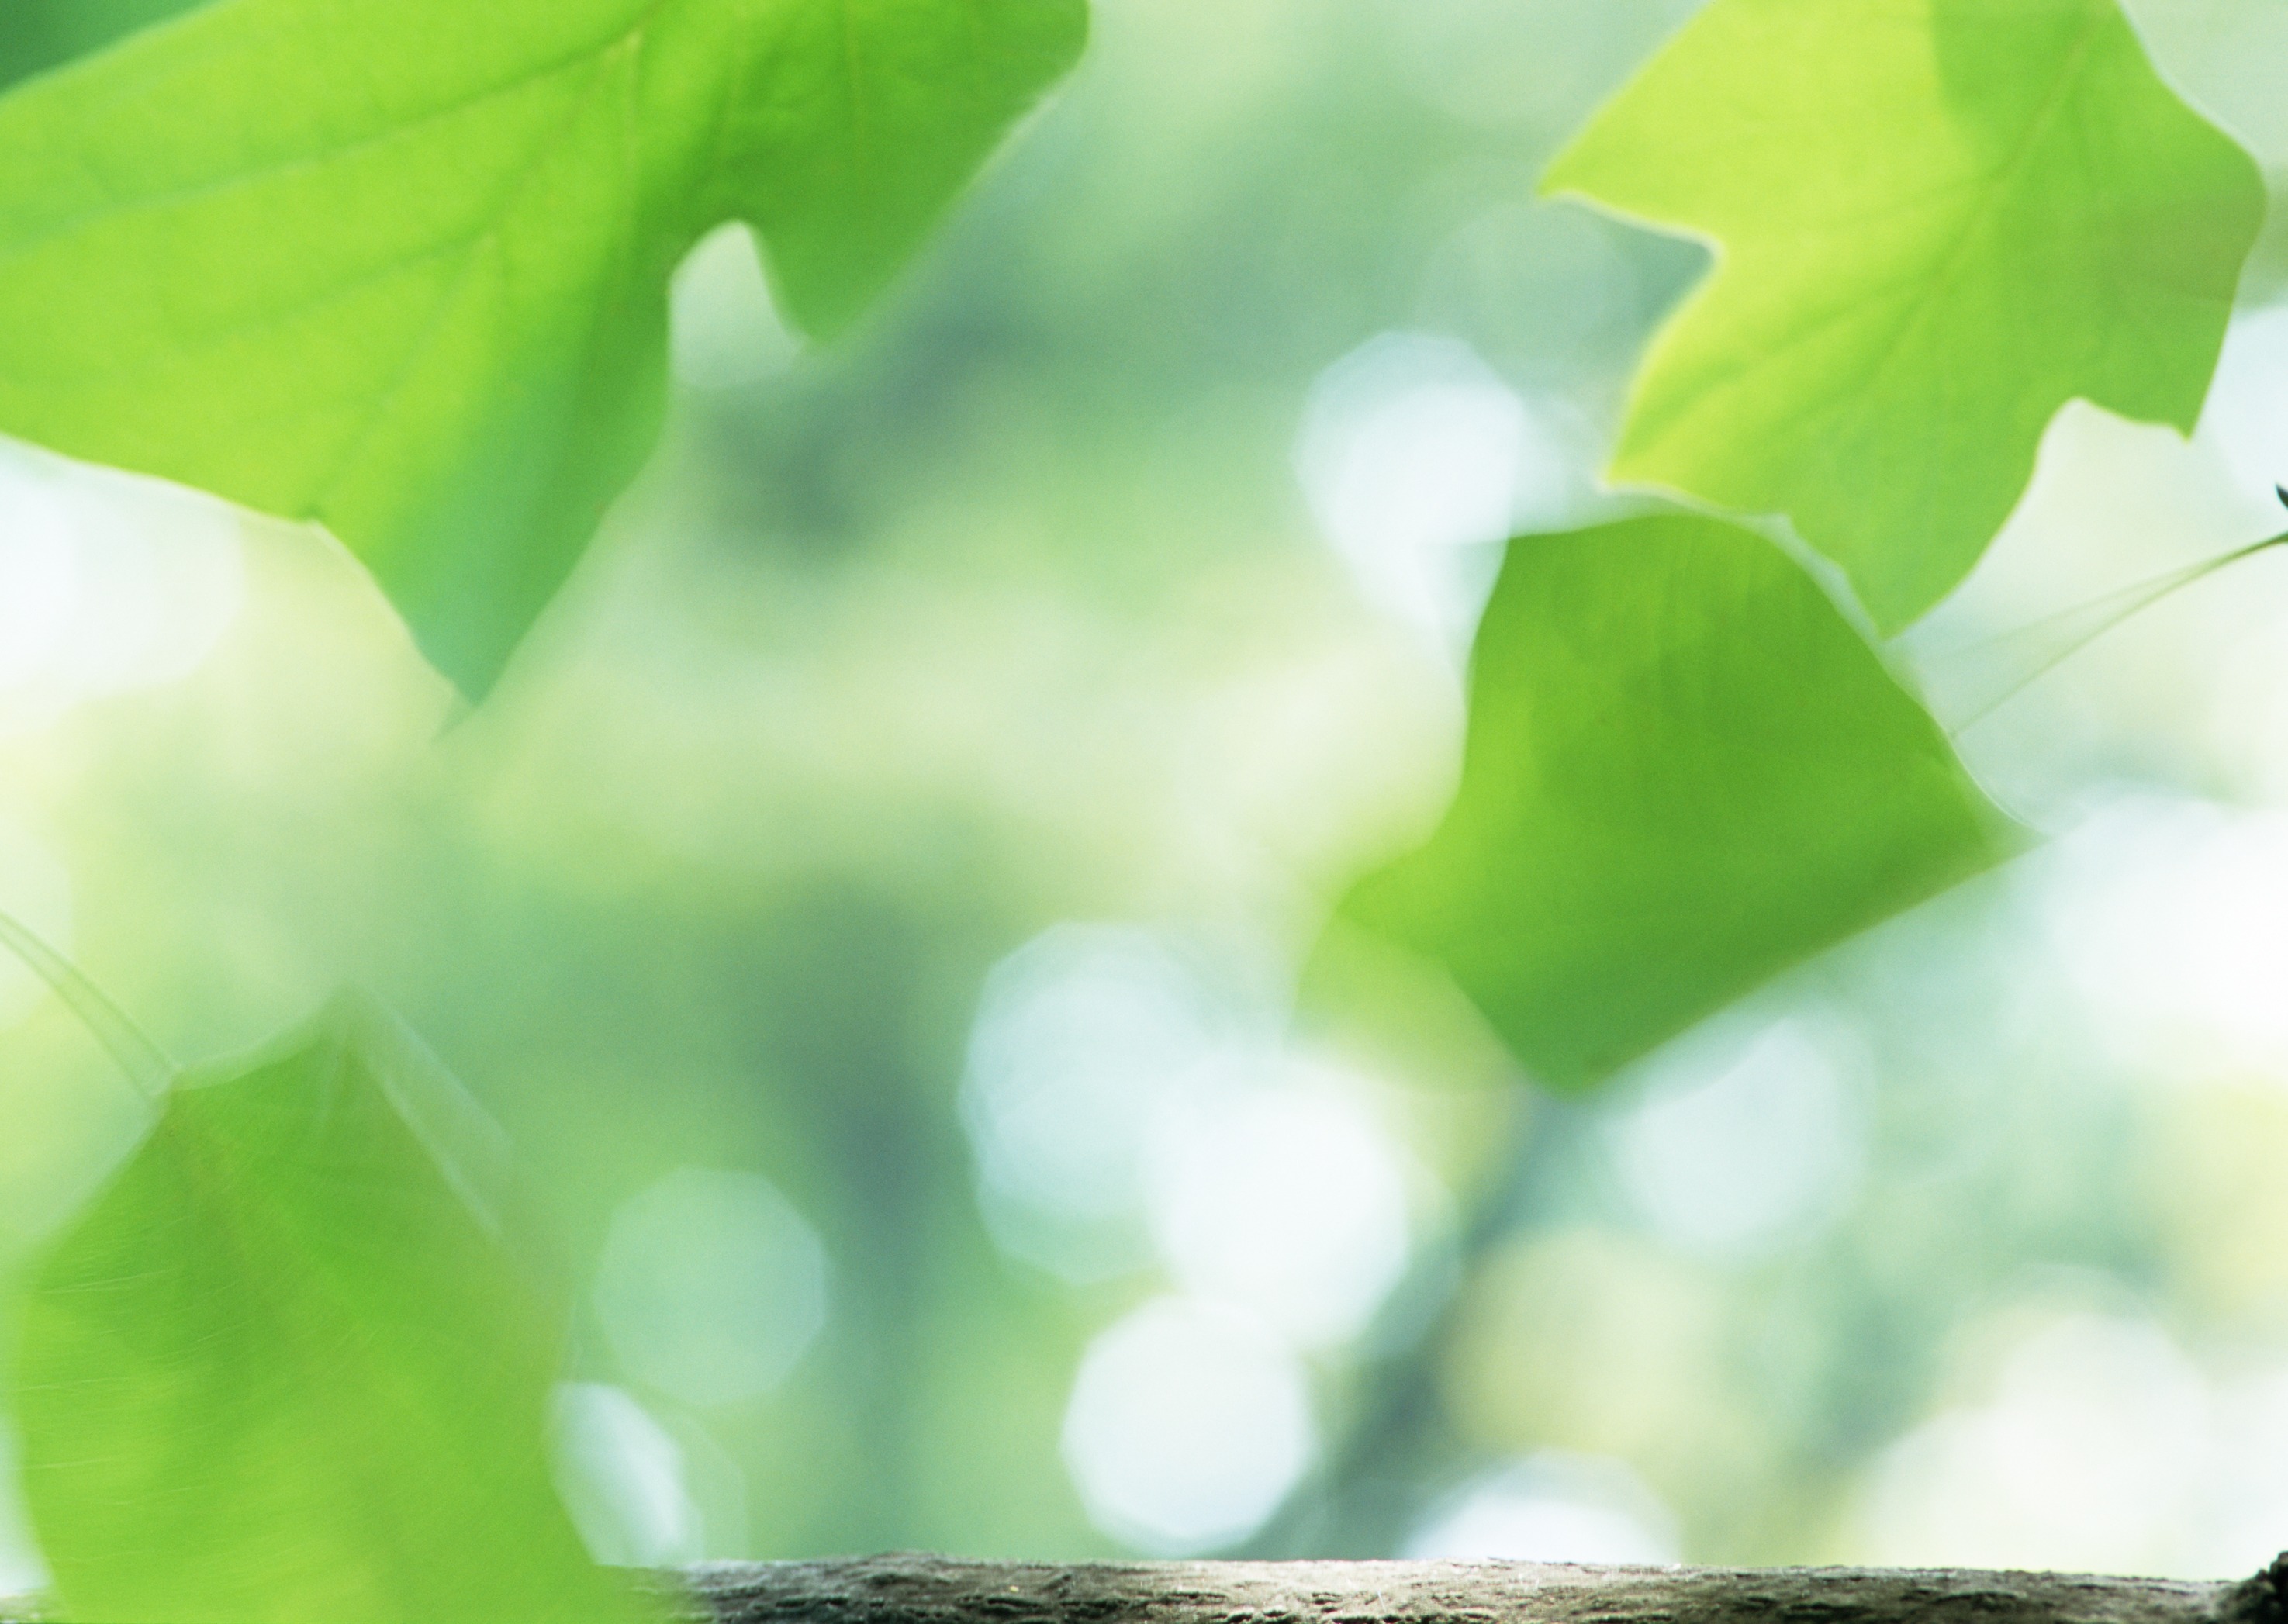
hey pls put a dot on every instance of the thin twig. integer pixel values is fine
(147, 1065)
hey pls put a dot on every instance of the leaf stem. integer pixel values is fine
(147, 1065)
(2050, 641)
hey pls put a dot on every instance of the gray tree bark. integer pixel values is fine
(921, 1589)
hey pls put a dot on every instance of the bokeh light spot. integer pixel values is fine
(711, 1286)
(1188, 1426)
(1732, 1154)
(1288, 1200)
(622, 1478)
(1417, 461)
(1079, 1036)
(2079, 1460)
(108, 583)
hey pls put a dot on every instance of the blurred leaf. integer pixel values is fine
(289, 1366)
(1685, 773)
(400, 265)
(1941, 220)
(38, 35)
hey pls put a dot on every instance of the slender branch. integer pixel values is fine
(1968, 684)
(920, 1589)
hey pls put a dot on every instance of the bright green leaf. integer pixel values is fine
(1685, 772)
(1940, 220)
(400, 265)
(291, 1367)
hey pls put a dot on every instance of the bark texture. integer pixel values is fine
(921, 1589)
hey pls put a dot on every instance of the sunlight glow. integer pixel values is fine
(2171, 919)
(2082, 1460)
(2246, 416)
(108, 583)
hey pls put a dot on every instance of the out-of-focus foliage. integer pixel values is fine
(1941, 220)
(400, 268)
(292, 1363)
(1685, 773)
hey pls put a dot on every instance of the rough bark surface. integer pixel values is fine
(921, 1589)
(918, 1590)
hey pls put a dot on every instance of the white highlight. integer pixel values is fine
(2171, 919)
(711, 1286)
(2083, 1460)
(1188, 1425)
(1112, 1103)
(621, 1478)
(1080, 1035)
(2246, 416)
(1734, 1155)
(1555, 1505)
(1285, 1198)
(1416, 460)
(2098, 1447)
(108, 583)
(22, 1573)
(1119, 1107)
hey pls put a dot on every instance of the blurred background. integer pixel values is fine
(873, 900)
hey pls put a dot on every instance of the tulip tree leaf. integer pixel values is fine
(1685, 772)
(1940, 220)
(290, 1366)
(400, 265)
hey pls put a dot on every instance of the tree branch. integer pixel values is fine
(922, 1589)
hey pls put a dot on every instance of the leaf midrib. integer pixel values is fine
(2006, 183)
(1923, 289)
(471, 252)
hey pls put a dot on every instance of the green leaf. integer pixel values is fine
(38, 35)
(400, 265)
(290, 1367)
(1685, 772)
(1940, 220)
